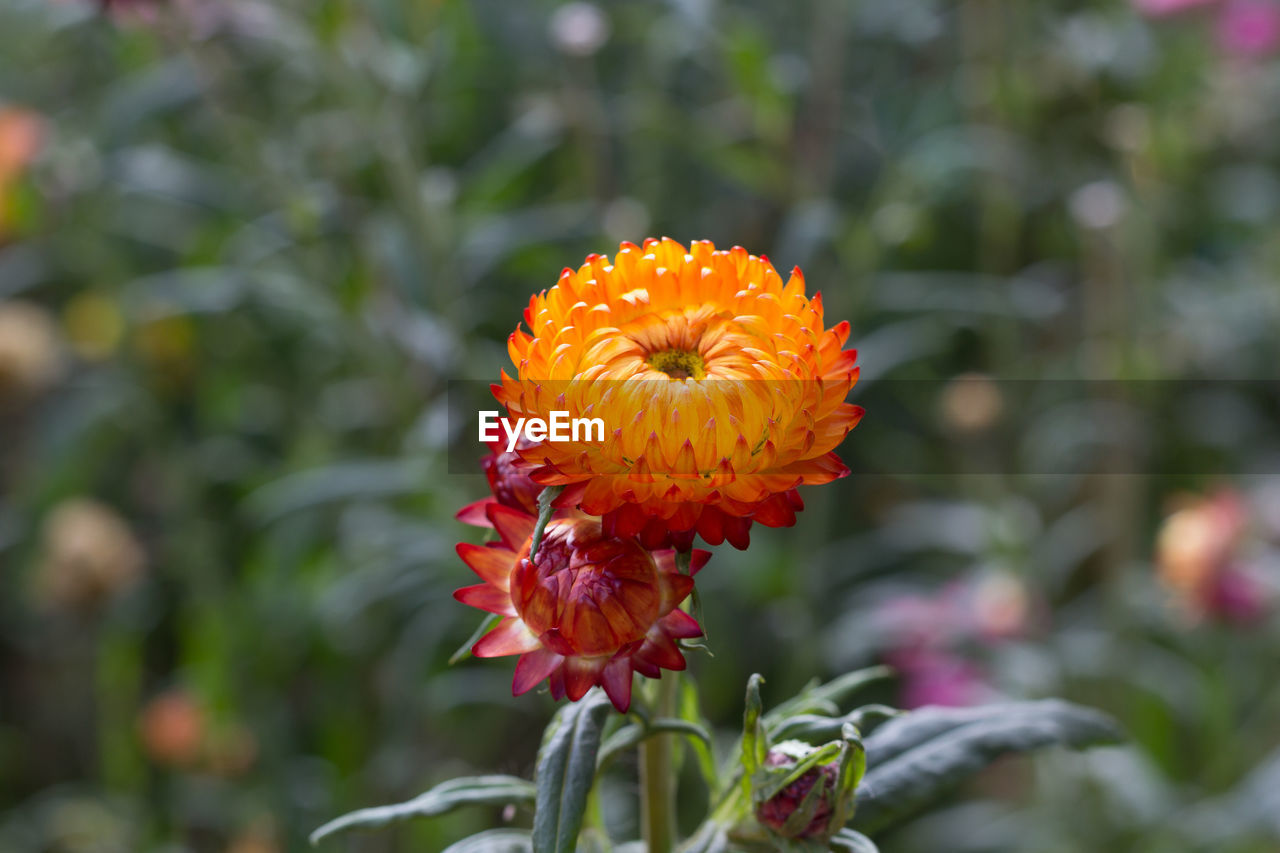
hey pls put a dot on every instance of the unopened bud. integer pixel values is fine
(784, 811)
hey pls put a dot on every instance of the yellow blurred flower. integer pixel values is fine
(93, 325)
(721, 387)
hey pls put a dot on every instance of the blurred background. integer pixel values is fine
(244, 245)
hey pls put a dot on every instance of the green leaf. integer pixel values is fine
(827, 698)
(494, 841)
(853, 842)
(445, 797)
(755, 746)
(816, 728)
(711, 837)
(849, 772)
(703, 748)
(464, 651)
(633, 734)
(920, 755)
(566, 772)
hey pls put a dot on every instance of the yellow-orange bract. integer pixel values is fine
(719, 385)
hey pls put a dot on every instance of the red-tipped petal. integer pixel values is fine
(580, 675)
(681, 625)
(616, 681)
(475, 513)
(738, 532)
(570, 497)
(556, 683)
(775, 512)
(697, 560)
(486, 597)
(493, 565)
(661, 651)
(711, 526)
(514, 526)
(532, 669)
(511, 637)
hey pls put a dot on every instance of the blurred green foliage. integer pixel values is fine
(265, 235)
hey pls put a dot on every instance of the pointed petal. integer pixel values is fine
(515, 527)
(474, 513)
(532, 668)
(580, 675)
(662, 651)
(511, 637)
(486, 597)
(493, 565)
(681, 625)
(738, 532)
(616, 680)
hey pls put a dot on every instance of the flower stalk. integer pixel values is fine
(657, 774)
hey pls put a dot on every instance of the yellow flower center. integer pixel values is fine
(679, 364)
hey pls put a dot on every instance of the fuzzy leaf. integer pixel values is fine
(445, 797)
(916, 757)
(566, 771)
(494, 841)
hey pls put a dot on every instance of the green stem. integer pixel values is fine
(657, 774)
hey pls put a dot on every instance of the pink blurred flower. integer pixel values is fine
(935, 677)
(1163, 8)
(1249, 28)
(1236, 595)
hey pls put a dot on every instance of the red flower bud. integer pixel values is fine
(589, 610)
(775, 811)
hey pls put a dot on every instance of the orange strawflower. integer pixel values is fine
(720, 388)
(590, 609)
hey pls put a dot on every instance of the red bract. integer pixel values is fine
(508, 480)
(590, 609)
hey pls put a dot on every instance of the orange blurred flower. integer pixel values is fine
(21, 135)
(172, 728)
(590, 609)
(1201, 558)
(720, 388)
